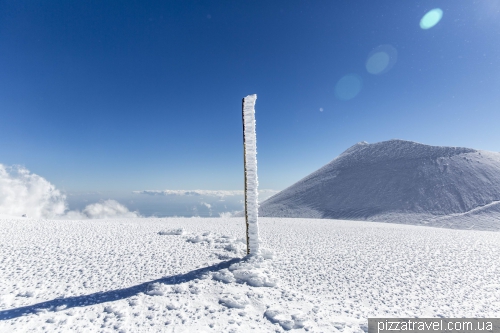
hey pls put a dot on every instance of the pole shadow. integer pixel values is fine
(112, 295)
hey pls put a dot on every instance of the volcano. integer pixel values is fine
(400, 182)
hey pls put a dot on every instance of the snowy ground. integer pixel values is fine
(141, 275)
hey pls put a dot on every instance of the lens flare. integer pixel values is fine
(431, 18)
(381, 59)
(348, 87)
(377, 63)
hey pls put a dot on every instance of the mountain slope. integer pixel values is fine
(399, 181)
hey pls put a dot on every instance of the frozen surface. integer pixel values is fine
(186, 275)
(251, 172)
(402, 182)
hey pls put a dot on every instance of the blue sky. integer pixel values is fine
(136, 95)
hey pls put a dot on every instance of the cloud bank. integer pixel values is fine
(26, 193)
(22, 192)
(191, 192)
(108, 209)
(212, 193)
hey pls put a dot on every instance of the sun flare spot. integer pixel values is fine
(431, 18)
(348, 87)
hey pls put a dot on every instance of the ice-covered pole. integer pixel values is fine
(251, 183)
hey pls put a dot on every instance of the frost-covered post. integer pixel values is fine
(251, 183)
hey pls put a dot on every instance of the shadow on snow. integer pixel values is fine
(113, 295)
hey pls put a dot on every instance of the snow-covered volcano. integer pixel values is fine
(399, 181)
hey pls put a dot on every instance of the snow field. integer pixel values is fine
(186, 275)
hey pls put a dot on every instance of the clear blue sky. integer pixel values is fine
(135, 95)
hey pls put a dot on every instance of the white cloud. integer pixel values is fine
(209, 206)
(230, 214)
(107, 209)
(22, 192)
(216, 193)
(191, 192)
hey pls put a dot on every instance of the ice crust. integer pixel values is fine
(252, 183)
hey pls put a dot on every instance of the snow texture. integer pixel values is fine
(402, 182)
(250, 139)
(126, 275)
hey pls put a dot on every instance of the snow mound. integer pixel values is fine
(234, 301)
(174, 232)
(277, 315)
(399, 181)
(157, 289)
(252, 270)
(224, 275)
